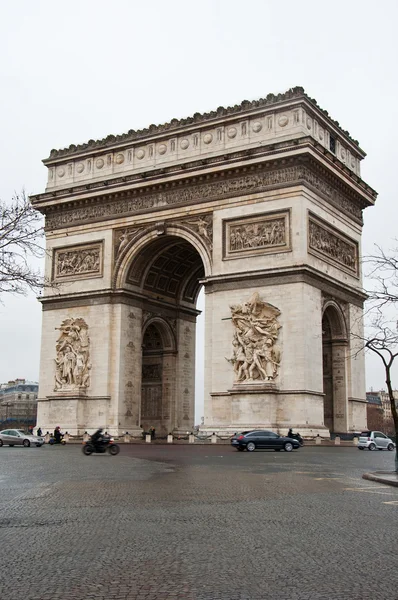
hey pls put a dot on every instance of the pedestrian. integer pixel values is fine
(39, 432)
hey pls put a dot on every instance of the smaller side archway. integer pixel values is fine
(159, 351)
(334, 355)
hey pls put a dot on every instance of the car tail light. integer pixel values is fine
(241, 437)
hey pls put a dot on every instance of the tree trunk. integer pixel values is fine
(394, 413)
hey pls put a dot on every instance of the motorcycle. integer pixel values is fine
(100, 447)
(297, 436)
(53, 441)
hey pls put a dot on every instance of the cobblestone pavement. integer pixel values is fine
(198, 523)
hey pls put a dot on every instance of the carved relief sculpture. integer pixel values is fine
(72, 365)
(203, 225)
(332, 246)
(122, 239)
(256, 357)
(265, 233)
(78, 262)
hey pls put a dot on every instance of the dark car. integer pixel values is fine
(263, 439)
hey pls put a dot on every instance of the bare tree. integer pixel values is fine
(21, 235)
(381, 330)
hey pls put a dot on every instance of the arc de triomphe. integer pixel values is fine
(262, 205)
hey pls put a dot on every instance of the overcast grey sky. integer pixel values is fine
(82, 69)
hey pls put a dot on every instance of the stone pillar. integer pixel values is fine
(185, 376)
(340, 402)
(169, 439)
(191, 438)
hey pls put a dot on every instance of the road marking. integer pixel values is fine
(367, 490)
(391, 502)
(327, 478)
(368, 487)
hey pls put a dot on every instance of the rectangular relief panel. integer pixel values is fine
(78, 262)
(260, 234)
(330, 244)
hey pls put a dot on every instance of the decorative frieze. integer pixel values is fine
(265, 233)
(255, 181)
(77, 262)
(332, 245)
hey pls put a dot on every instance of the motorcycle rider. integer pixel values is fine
(57, 435)
(290, 433)
(97, 438)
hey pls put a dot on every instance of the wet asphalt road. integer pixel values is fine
(196, 522)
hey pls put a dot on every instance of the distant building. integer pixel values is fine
(379, 410)
(18, 400)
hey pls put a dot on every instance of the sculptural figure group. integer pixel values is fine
(255, 354)
(72, 365)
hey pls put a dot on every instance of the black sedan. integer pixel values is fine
(263, 439)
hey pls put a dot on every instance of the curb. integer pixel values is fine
(378, 477)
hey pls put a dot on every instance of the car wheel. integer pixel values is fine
(1, 443)
(11, 445)
(26, 443)
(251, 446)
(288, 447)
(390, 447)
(372, 446)
(360, 447)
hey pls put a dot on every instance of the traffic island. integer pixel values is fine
(387, 477)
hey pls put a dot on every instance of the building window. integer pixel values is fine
(332, 144)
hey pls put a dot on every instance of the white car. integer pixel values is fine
(375, 439)
(18, 437)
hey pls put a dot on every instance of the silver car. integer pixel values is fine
(14, 437)
(375, 439)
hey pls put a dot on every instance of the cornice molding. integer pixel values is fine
(297, 274)
(245, 108)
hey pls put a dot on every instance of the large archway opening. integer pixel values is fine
(334, 345)
(165, 277)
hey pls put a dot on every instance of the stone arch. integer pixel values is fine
(335, 316)
(334, 361)
(144, 238)
(165, 330)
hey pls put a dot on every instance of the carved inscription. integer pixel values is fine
(326, 241)
(265, 233)
(234, 186)
(151, 402)
(78, 262)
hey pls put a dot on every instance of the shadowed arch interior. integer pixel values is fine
(169, 267)
(333, 341)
